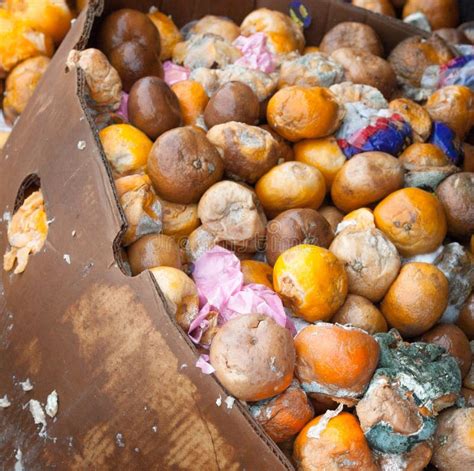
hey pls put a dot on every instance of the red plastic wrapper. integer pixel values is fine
(365, 130)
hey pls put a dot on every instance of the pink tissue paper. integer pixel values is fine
(255, 53)
(219, 281)
(174, 73)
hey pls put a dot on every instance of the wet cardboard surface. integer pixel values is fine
(129, 394)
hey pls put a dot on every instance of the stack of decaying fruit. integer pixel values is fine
(439, 16)
(293, 203)
(30, 31)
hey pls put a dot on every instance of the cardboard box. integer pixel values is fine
(130, 396)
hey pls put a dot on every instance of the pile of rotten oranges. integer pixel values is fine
(308, 213)
(30, 31)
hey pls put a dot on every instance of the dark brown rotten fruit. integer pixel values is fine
(153, 250)
(253, 356)
(366, 178)
(360, 66)
(456, 194)
(413, 55)
(352, 34)
(132, 44)
(454, 341)
(153, 107)
(466, 318)
(183, 164)
(294, 227)
(332, 215)
(248, 151)
(360, 312)
(234, 101)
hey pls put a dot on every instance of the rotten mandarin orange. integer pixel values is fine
(126, 148)
(299, 112)
(454, 106)
(415, 115)
(151, 251)
(324, 154)
(423, 154)
(180, 293)
(330, 443)
(332, 215)
(290, 185)
(283, 34)
(335, 360)
(192, 100)
(257, 272)
(51, 17)
(358, 220)
(283, 416)
(169, 33)
(179, 220)
(384, 7)
(440, 13)
(27, 232)
(18, 42)
(413, 219)
(416, 300)
(364, 179)
(359, 312)
(311, 281)
(20, 85)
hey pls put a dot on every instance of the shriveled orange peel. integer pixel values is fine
(27, 232)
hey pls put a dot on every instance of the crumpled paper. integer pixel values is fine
(174, 73)
(221, 289)
(255, 53)
(217, 276)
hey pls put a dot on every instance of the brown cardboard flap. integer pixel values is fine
(130, 396)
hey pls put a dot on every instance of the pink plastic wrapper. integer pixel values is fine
(255, 53)
(203, 363)
(220, 286)
(123, 108)
(217, 276)
(200, 325)
(174, 73)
